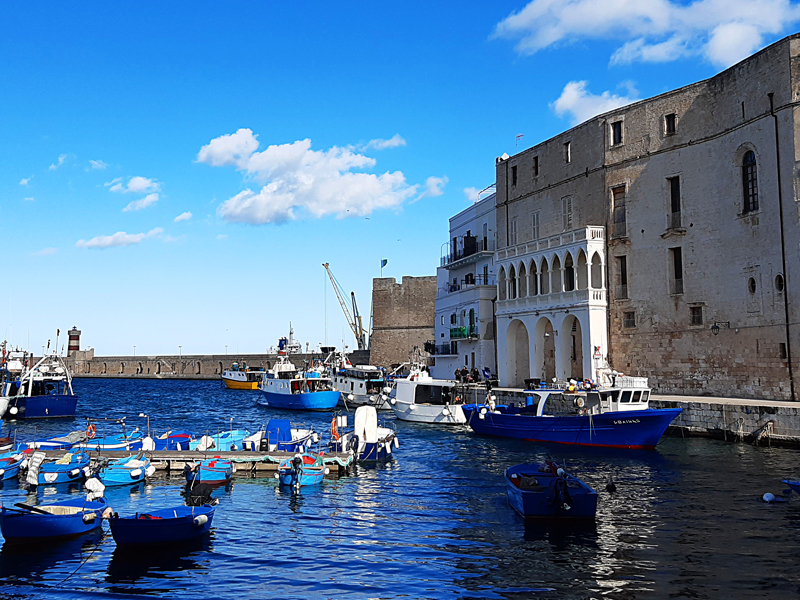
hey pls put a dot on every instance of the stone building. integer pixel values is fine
(661, 238)
(466, 291)
(402, 318)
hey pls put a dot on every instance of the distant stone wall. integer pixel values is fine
(402, 317)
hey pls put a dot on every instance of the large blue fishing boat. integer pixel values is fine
(32, 391)
(615, 417)
(165, 526)
(285, 387)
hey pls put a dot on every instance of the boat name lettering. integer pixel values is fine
(625, 421)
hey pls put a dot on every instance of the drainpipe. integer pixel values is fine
(783, 246)
(506, 203)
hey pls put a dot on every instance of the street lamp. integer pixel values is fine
(180, 352)
(226, 348)
(134, 349)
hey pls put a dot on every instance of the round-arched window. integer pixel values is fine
(779, 284)
(751, 285)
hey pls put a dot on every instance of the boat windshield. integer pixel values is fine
(558, 404)
(433, 394)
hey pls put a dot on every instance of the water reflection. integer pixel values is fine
(33, 563)
(129, 565)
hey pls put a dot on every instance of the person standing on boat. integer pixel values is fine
(476, 376)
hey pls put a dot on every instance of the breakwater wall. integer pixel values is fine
(184, 366)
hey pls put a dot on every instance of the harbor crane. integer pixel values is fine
(353, 318)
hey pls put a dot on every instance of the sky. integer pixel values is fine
(173, 175)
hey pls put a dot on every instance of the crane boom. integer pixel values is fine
(351, 321)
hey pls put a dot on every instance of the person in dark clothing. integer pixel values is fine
(476, 376)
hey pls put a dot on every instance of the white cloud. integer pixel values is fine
(98, 164)
(433, 188)
(135, 185)
(61, 160)
(581, 105)
(183, 217)
(721, 31)
(120, 238)
(29, 199)
(143, 203)
(25, 180)
(472, 194)
(298, 181)
(45, 252)
(379, 144)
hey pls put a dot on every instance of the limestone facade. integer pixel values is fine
(696, 194)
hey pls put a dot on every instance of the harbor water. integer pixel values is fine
(686, 520)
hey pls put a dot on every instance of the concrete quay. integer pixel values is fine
(764, 422)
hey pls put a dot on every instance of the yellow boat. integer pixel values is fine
(242, 377)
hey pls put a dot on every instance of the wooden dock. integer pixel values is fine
(245, 464)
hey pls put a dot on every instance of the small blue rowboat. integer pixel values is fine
(10, 464)
(67, 469)
(213, 471)
(164, 526)
(302, 469)
(173, 440)
(70, 518)
(60, 442)
(795, 485)
(221, 442)
(125, 471)
(118, 441)
(543, 491)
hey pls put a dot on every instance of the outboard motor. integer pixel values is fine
(199, 494)
(558, 493)
(352, 444)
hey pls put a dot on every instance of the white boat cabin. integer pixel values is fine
(361, 380)
(626, 394)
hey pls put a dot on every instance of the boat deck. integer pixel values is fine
(245, 464)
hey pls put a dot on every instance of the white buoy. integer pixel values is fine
(150, 471)
(393, 401)
(396, 442)
(387, 390)
(13, 410)
(200, 520)
(445, 412)
(768, 497)
(327, 470)
(277, 476)
(350, 397)
(136, 473)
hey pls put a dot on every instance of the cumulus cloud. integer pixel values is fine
(135, 185)
(25, 180)
(298, 181)
(580, 105)
(143, 203)
(101, 242)
(98, 164)
(721, 31)
(393, 142)
(472, 194)
(433, 187)
(45, 252)
(61, 160)
(183, 217)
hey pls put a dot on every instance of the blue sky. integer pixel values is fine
(176, 173)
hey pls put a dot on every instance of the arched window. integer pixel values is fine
(749, 182)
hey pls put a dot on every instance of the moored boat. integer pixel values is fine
(546, 491)
(795, 485)
(213, 471)
(164, 526)
(242, 377)
(280, 436)
(615, 417)
(67, 469)
(223, 441)
(69, 518)
(284, 387)
(360, 385)
(10, 464)
(126, 471)
(302, 469)
(368, 441)
(422, 399)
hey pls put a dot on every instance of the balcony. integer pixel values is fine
(463, 333)
(446, 349)
(465, 250)
(467, 283)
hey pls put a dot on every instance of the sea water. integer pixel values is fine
(686, 520)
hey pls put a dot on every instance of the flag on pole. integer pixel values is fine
(384, 261)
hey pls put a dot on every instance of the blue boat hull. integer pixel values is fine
(640, 429)
(53, 474)
(26, 526)
(213, 472)
(165, 526)
(307, 477)
(42, 407)
(538, 502)
(9, 469)
(311, 401)
(795, 485)
(373, 451)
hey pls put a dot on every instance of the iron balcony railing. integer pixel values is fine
(466, 246)
(464, 332)
(446, 349)
(468, 282)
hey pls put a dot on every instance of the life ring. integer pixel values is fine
(91, 430)
(334, 430)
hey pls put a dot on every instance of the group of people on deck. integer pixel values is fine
(464, 375)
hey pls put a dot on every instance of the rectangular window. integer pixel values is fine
(442, 319)
(514, 175)
(620, 227)
(512, 232)
(535, 226)
(535, 166)
(784, 355)
(566, 213)
(622, 278)
(674, 202)
(676, 271)
(696, 315)
(567, 152)
(670, 123)
(629, 320)
(616, 133)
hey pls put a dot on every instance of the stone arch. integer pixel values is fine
(220, 368)
(199, 369)
(583, 271)
(512, 282)
(533, 279)
(517, 354)
(141, 368)
(555, 276)
(597, 272)
(502, 291)
(569, 273)
(544, 278)
(572, 347)
(105, 368)
(158, 367)
(545, 349)
(523, 281)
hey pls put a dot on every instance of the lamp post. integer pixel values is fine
(180, 352)
(134, 350)
(226, 348)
